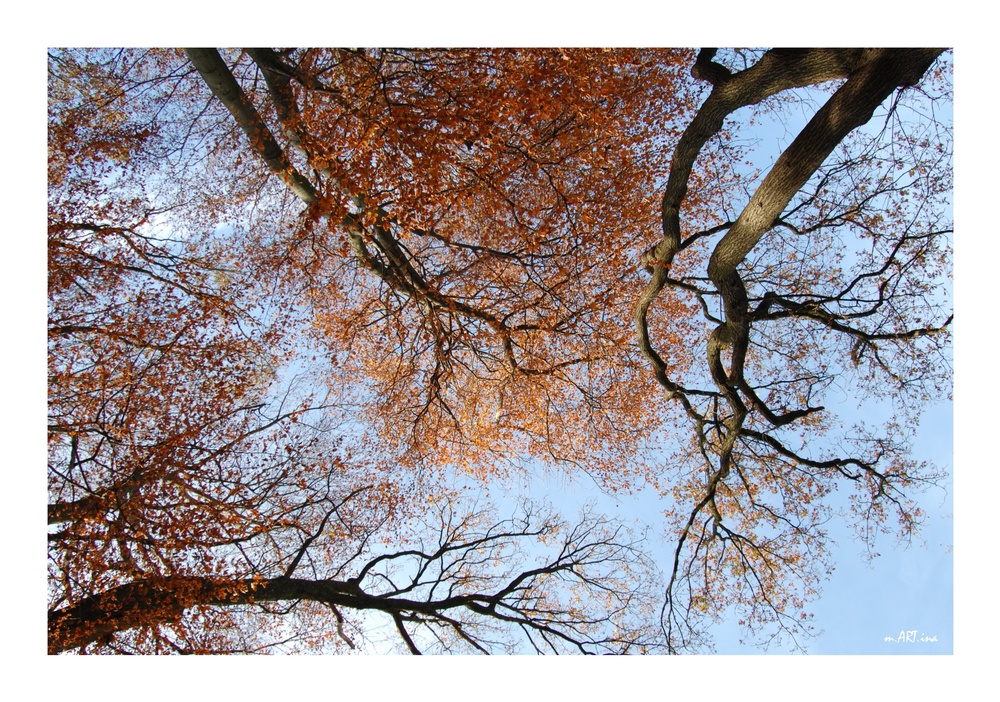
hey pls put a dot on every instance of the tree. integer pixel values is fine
(754, 513)
(294, 293)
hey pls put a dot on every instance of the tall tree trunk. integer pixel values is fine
(220, 80)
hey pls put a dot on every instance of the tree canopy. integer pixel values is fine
(308, 307)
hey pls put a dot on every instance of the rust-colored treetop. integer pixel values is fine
(301, 299)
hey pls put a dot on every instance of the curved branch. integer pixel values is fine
(778, 70)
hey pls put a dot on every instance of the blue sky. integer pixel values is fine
(906, 588)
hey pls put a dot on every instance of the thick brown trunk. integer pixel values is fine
(872, 75)
(849, 108)
(223, 85)
(778, 70)
(146, 603)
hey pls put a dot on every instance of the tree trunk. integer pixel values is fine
(220, 80)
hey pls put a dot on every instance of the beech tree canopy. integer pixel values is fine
(308, 308)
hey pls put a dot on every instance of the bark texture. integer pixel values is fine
(218, 77)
